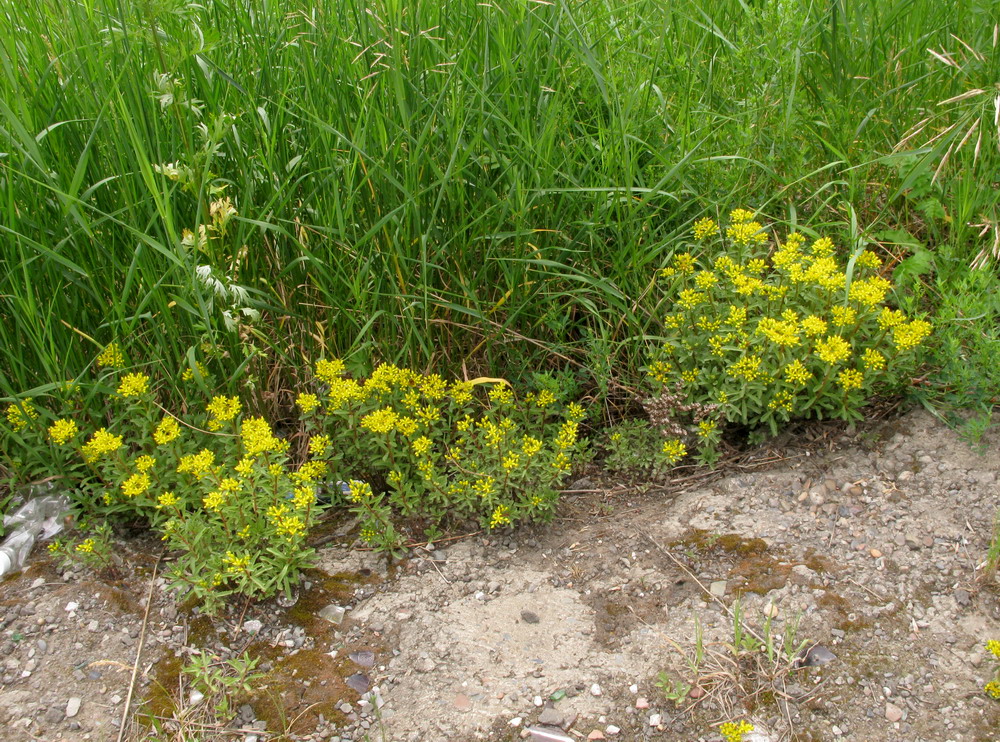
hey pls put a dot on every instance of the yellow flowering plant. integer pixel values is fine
(436, 452)
(763, 328)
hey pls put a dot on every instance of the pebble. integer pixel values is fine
(641, 703)
(596, 734)
(893, 713)
(516, 721)
(718, 588)
(595, 690)
(612, 729)
(73, 707)
(655, 720)
(551, 717)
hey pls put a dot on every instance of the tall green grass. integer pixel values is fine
(450, 183)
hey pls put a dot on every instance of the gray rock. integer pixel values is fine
(551, 716)
(73, 707)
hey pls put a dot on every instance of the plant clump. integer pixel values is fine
(758, 332)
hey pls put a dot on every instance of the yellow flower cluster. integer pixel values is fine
(86, 547)
(747, 368)
(567, 435)
(196, 464)
(144, 463)
(307, 402)
(746, 233)
(188, 373)
(813, 326)
(133, 385)
(873, 360)
(135, 485)
(289, 526)
(781, 402)
(319, 445)
(733, 731)
(992, 689)
(258, 438)
(168, 430)
(797, 374)
(222, 409)
(704, 228)
(910, 335)
(381, 421)
(235, 564)
(674, 449)
(850, 379)
(167, 500)
(18, 414)
(833, 349)
(461, 392)
(500, 517)
(111, 357)
(501, 394)
(869, 291)
(62, 431)
(530, 446)
(101, 442)
(782, 333)
(329, 372)
(843, 316)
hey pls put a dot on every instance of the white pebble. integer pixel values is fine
(595, 690)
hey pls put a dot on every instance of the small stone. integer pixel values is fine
(633, 688)
(551, 717)
(718, 588)
(595, 690)
(875, 553)
(515, 722)
(962, 597)
(529, 617)
(893, 713)
(696, 692)
(612, 729)
(196, 697)
(253, 627)
(641, 703)
(771, 610)
(333, 613)
(537, 700)
(72, 606)
(596, 734)
(655, 720)
(73, 707)
(976, 659)
(462, 702)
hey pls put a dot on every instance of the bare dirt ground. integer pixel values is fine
(864, 548)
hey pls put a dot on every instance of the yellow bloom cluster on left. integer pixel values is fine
(19, 414)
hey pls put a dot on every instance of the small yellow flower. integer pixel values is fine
(86, 547)
(833, 349)
(706, 428)
(733, 732)
(319, 445)
(100, 443)
(422, 446)
(910, 335)
(501, 394)
(683, 262)
(850, 379)
(992, 689)
(136, 485)
(111, 357)
(674, 450)
(705, 228)
(873, 360)
(738, 216)
(62, 431)
(223, 408)
(797, 374)
(843, 316)
(144, 463)
(167, 431)
(133, 385)
(307, 402)
(511, 461)
(813, 326)
(329, 371)
(500, 517)
(18, 414)
(381, 421)
(993, 647)
(167, 500)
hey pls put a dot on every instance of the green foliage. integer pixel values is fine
(756, 338)
(489, 191)
(96, 551)
(444, 452)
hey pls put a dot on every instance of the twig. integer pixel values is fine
(138, 651)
